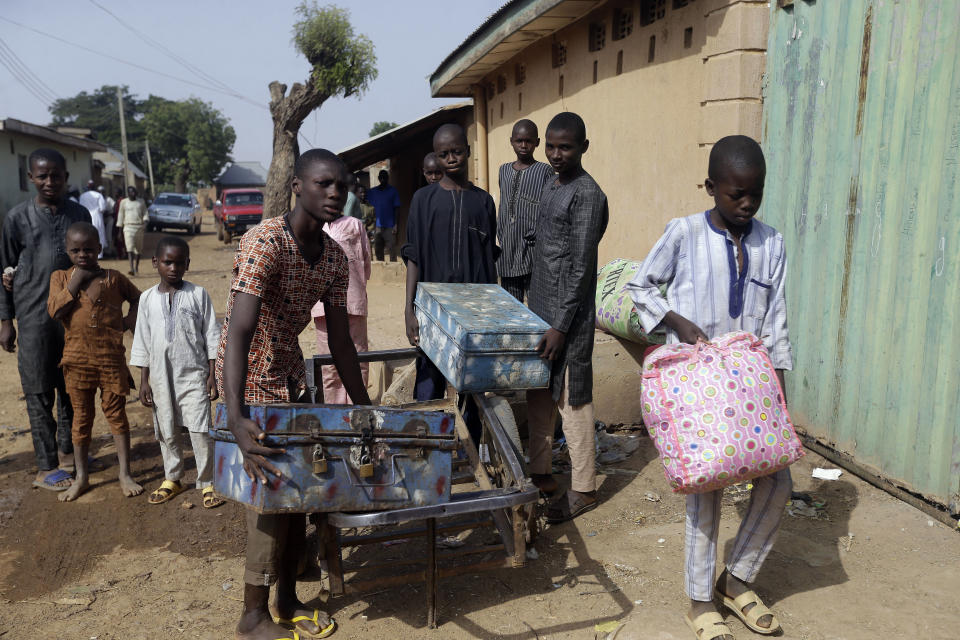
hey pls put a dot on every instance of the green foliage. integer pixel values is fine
(381, 126)
(98, 111)
(344, 63)
(190, 140)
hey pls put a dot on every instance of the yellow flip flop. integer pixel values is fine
(165, 492)
(325, 632)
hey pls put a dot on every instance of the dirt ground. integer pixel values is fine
(109, 567)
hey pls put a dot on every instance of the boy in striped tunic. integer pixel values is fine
(521, 184)
(726, 272)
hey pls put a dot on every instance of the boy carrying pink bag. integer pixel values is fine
(725, 274)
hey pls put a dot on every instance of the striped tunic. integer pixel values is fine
(520, 192)
(698, 262)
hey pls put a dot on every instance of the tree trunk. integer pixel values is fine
(288, 114)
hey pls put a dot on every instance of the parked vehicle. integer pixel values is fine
(175, 210)
(237, 211)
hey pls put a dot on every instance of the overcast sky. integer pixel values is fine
(244, 44)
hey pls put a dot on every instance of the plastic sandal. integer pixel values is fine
(50, 481)
(710, 620)
(210, 499)
(167, 490)
(325, 632)
(750, 618)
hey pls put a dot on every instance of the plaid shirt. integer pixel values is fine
(269, 265)
(698, 262)
(572, 220)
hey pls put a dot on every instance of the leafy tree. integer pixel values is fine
(189, 140)
(343, 64)
(98, 111)
(381, 126)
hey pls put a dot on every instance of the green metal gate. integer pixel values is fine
(862, 136)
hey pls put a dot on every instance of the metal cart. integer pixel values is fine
(504, 499)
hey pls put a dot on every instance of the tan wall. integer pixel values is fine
(650, 128)
(12, 145)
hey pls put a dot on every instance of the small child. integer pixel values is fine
(573, 217)
(351, 235)
(175, 346)
(725, 272)
(521, 185)
(450, 238)
(88, 300)
(432, 171)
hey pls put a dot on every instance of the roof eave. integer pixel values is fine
(504, 34)
(45, 133)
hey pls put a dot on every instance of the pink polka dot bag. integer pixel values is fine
(716, 414)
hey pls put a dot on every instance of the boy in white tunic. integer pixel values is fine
(175, 347)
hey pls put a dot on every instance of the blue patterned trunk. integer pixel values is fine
(410, 453)
(480, 337)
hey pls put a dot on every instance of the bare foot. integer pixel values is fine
(697, 609)
(79, 486)
(129, 487)
(256, 625)
(733, 587)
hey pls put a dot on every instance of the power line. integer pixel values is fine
(36, 80)
(132, 64)
(23, 80)
(160, 46)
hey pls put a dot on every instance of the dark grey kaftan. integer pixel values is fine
(572, 220)
(32, 240)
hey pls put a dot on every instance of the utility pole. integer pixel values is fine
(153, 193)
(123, 140)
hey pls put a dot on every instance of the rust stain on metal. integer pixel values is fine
(864, 67)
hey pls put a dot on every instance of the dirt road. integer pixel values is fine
(108, 567)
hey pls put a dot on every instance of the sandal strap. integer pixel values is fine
(758, 610)
(711, 622)
(169, 485)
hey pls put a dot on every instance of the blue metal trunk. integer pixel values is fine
(481, 337)
(340, 458)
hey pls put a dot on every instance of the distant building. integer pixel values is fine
(18, 139)
(241, 175)
(111, 173)
(657, 82)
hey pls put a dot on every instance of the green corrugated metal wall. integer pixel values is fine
(862, 136)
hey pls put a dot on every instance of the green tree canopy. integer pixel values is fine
(97, 111)
(190, 140)
(343, 64)
(381, 126)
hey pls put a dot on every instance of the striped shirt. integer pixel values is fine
(698, 262)
(520, 191)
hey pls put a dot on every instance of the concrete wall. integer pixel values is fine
(13, 145)
(651, 126)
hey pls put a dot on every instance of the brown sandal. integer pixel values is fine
(569, 507)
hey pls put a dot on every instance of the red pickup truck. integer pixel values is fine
(237, 211)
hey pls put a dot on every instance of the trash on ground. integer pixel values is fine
(615, 448)
(606, 627)
(827, 474)
(532, 554)
(651, 496)
(591, 534)
(227, 586)
(450, 542)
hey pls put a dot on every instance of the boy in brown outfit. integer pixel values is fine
(88, 300)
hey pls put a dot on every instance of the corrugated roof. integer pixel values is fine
(113, 163)
(243, 173)
(52, 135)
(513, 28)
(386, 144)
